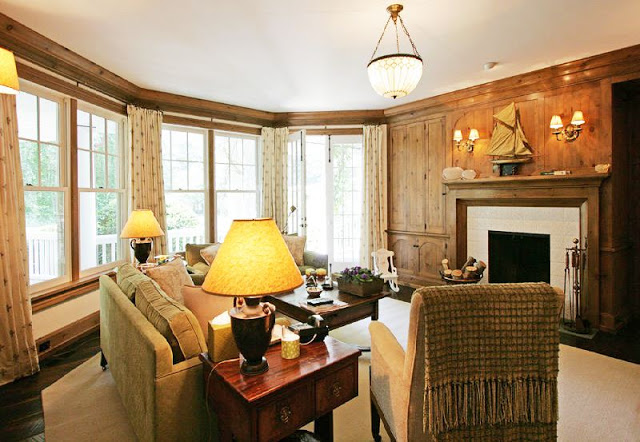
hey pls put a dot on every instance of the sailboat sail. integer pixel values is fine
(508, 139)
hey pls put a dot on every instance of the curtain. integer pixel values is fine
(18, 355)
(274, 174)
(374, 210)
(147, 185)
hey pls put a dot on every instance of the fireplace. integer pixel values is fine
(519, 257)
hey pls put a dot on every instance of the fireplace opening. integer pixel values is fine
(519, 257)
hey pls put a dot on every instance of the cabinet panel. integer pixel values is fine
(436, 151)
(431, 251)
(404, 248)
(398, 179)
(417, 178)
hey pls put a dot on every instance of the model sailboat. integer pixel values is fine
(508, 142)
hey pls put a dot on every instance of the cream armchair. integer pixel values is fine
(452, 355)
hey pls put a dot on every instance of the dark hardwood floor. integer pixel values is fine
(22, 419)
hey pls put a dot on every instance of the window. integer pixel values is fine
(46, 196)
(236, 179)
(101, 185)
(185, 178)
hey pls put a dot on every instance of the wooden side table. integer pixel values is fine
(291, 394)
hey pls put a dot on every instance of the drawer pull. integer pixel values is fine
(336, 389)
(285, 414)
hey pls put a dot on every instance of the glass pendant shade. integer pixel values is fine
(8, 73)
(396, 75)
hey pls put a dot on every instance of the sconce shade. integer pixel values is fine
(474, 135)
(141, 224)
(556, 122)
(394, 76)
(8, 74)
(457, 135)
(578, 118)
(253, 261)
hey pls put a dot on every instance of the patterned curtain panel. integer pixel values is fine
(274, 174)
(147, 185)
(374, 210)
(18, 355)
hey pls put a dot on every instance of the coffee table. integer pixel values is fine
(346, 309)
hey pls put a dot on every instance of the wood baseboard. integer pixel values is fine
(67, 335)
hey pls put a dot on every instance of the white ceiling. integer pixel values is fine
(303, 55)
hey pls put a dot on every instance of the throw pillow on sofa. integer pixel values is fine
(209, 253)
(128, 279)
(174, 321)
(171, 277)
(296, 247)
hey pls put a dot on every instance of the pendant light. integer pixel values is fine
(395, 75)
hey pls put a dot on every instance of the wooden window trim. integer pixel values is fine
(67, 291)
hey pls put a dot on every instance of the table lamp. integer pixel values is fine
(141, 226)
(252, 262)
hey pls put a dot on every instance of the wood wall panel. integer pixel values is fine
(437, 157)
(417, 180)
(397, 175)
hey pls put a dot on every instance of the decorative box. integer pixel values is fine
(362, 289)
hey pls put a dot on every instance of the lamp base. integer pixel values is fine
(141, 249)
(251, 327)
(251, 368)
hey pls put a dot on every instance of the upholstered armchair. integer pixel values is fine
(481, 363)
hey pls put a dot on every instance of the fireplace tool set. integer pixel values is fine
(575, 264)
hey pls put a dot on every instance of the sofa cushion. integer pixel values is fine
(201, 267)
(205, 306)
(192, 253)
(128, 279)
(171, 277)
(173, 320)
(296, 247)
(209, 253)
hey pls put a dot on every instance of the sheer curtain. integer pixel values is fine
(274, 174)
(374, 210)
(147, 185)
(18, 355)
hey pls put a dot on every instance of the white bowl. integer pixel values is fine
(469, 174)
(452, 173)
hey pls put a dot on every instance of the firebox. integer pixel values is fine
(519, 257)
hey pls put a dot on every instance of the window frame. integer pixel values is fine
(65, 185)
(123, 190)
(206, 191)
(258, 166)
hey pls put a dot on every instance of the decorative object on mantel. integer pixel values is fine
(395, 75)
(571, 131)
(556, 172)
(603, 168)
(468, 143)
(508, 143)
(452, 173)
(575, 262)
(359, 281)
(470, 273)
(469, 174)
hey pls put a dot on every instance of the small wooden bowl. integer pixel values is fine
(314, 292)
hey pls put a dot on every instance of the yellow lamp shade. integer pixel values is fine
(457, 135)
(474, 135)
(8, 73)
(578, 118)
(141, 224)
(254, 261)
(556, 122)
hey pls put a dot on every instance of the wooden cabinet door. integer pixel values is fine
(404, 247)
(436, 161)
(397, 185)
(431, 251)
(416, 195)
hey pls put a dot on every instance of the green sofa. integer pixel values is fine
(164, 398)
(199, 268)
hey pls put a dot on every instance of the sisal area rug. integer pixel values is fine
(599, 396)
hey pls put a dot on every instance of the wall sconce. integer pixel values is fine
(572, 131)
(466, 144)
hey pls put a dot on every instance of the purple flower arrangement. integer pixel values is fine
(357, 275)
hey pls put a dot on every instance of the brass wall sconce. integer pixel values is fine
(468, 143)
(572, 131)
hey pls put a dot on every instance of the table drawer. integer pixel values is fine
(286, 413)
(336, 388)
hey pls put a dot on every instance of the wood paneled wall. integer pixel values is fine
(581, 85)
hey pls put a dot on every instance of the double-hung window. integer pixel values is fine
(43, 156)
(184, 159)
(101, 187)
(236, 179)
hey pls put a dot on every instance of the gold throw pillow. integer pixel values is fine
(209, 253)
(296, 247)
(171, 277)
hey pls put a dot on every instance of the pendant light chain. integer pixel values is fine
(404, 28)
(395, 23)
(380, 39)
